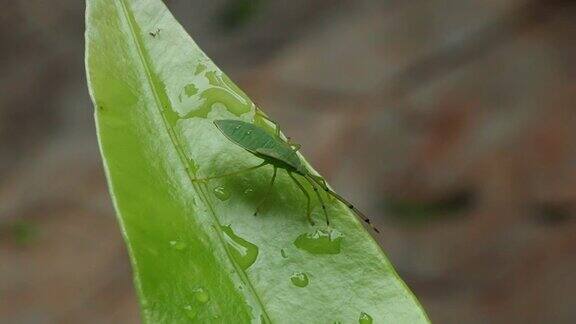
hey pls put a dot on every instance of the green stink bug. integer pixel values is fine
(280, 154)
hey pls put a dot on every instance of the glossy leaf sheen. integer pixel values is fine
(198, 253)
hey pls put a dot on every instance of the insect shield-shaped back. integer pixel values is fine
(231, 127)
(237, 131)
(243, 134)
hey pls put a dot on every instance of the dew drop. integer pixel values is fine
(248, 132)
(200, 68)
(283, 253)
(321, 241)
(248, 191)
(190, 90)
(178, 245)
(237, 127)
(221, 193)
(190, 311)
(201, 295)
(299, 279)
(218, 106)
(365, 318)
(244, 253)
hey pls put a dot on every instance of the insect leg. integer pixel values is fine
(321, 182)
(232, 173)
(276, 127)
(314, 186)
(308, 211)
(295, 146)
(267, 191)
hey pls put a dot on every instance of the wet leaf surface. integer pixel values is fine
(198, 252)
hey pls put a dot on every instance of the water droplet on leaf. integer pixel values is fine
(365, 318)
(248, 191)
(243, 252)
(321, 241)
(283, 253)
(190, 311)
(190, 90)
(299, 279)
(200, 68)
(221, 193)
(201, 295)
(178, 245)
(218, 106)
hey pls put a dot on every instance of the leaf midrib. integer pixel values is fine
(180, 152)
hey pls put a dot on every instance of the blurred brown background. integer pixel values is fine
(451, 122)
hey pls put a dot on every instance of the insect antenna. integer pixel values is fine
(267, 191)
(314, 186)
(231, 173)
(344, 201)
(306, 194)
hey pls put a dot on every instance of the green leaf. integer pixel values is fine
(198, 253)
